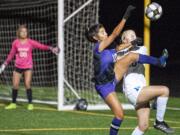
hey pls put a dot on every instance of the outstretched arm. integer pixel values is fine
(123, 46)
(104, 44)
(40, 46)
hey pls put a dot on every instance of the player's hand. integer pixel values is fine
(129, 9)
(55, 50)
(3, 66)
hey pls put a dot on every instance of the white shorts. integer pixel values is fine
(132, 86)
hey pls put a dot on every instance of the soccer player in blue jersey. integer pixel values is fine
(108, 71)
(139, 95)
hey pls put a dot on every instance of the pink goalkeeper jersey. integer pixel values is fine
(23, 53)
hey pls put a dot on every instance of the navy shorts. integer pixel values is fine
(105, 89)
(21, 70)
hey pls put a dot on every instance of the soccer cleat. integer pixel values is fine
(165, 53)
(30, 107)
(163, 126)
(11, 106)
(163, 58)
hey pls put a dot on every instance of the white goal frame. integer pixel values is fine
(61, 80)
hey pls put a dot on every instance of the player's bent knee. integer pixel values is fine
(133, 57)
(165, 91)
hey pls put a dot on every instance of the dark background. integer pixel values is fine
(164, 34)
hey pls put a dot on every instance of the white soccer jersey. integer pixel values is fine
(134, 79)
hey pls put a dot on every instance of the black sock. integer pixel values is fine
(29, 95)
(14, 95)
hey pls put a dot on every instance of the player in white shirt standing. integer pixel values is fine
(135, 89)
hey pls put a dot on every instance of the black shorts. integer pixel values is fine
(20, 70)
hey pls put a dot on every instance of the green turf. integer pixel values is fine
(38, 92)
(50, 94)
(48, 121)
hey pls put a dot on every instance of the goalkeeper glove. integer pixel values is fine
(55, 50)
(128, 12)
(3, 66)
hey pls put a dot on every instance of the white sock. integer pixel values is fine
(161, 108)
(137, 131)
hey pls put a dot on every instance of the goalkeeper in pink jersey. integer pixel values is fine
(22, 48)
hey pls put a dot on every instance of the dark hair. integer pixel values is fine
(92, 31)
(19, 29)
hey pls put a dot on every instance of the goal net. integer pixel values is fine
(41, 17)
(78, 55)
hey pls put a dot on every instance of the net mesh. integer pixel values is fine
(41, 19)
(40, 16)
(78, 51)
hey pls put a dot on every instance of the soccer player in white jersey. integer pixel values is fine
(135, 89)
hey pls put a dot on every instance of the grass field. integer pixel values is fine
(50, 94)
(46, 120)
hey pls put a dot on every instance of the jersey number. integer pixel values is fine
(23, 54)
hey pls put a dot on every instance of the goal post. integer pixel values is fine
(59, 80)
(76, 66)
(147, 35)
(62, 21)
(61, 55)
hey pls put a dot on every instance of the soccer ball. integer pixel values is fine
(81, 104)
(153, 11)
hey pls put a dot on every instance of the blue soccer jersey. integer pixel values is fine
(104, 75)
(104, 64)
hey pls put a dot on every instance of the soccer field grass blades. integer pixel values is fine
(30, 107)
(11, 106)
